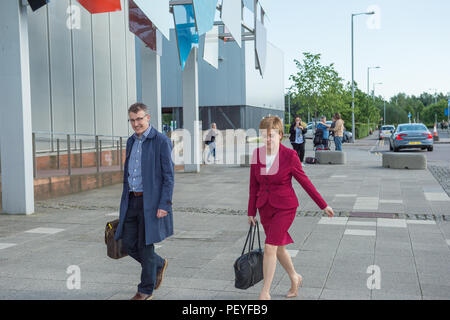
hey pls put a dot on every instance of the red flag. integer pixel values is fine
(141, 26)
(100, 6)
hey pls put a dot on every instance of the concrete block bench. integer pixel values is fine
(331, 157)
(404, 160)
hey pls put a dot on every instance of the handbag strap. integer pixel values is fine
(246, 240)
(253, 238)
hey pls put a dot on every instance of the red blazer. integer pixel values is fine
(275, 187)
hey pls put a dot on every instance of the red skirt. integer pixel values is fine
(276, 223)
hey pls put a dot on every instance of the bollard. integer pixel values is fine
(33, 137)
(81, 154)
(69, 167)
(121, 155)
(57, 154)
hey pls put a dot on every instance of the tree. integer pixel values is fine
(318, 88)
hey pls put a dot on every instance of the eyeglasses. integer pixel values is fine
(136, 120)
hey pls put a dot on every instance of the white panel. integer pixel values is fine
(39, 71)
(391, 223)
(119, 72)
(267, 92)
(211, 47)
(261, 45)
(45, 230)
(131, 68)
(420, 222)
(356, 232)
(333, 220)
(158, 13)
(102, 74)
(6, 245)
(83, 75)
(231, 17)
(61, 67)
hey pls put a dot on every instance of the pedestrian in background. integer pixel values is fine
(297, 132)
(146, 205)
(338, 131)
(324, 127)
(271, 193)
(210, 141)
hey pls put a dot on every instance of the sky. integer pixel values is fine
(409, 40)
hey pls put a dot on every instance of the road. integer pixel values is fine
(440, 155)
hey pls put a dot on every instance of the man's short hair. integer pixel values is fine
(322, 117)
(138, 106)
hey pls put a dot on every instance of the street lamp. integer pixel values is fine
(368, 82)
(289, 105)
(373, 92)
(353, 73)
(435, 95)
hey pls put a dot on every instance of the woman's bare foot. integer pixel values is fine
(293, 292)
(264, 296)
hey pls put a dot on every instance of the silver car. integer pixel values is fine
(386, 131)
(411, 135)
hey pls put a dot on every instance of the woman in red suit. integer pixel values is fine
(271, 192)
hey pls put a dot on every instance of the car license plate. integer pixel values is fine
(386, 132)
(414, 142)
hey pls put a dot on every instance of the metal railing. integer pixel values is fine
(61, 144)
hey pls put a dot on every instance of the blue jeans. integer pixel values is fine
(338, 143)
(134, 241)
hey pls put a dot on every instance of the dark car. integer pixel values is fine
(411, 135)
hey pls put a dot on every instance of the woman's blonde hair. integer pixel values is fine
(272, 123)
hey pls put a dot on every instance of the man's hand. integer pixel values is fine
(252, 220)
(161, 213)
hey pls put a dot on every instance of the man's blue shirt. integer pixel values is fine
(134, 164)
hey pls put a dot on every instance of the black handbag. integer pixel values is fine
(248, 268)
(311, 160)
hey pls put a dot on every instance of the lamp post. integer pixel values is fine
(289, 105)
(373, 92)
(353, 73)
(368, 94)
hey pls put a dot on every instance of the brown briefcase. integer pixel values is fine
(114, 248)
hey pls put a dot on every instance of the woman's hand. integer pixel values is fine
(252, 220)
(329, 211)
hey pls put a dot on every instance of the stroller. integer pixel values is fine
(319, 142)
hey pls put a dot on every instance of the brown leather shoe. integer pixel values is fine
(142, 296)
(160, 274)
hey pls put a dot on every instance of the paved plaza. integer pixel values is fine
(390, 238)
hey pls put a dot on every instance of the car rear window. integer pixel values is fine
(387, 128)
(413, 127)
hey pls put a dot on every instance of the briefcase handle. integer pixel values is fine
(252, 238)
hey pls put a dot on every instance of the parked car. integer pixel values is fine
(310, 133)
(411, 135)
(386, 131)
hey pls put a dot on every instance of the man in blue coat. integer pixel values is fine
(146, 205)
